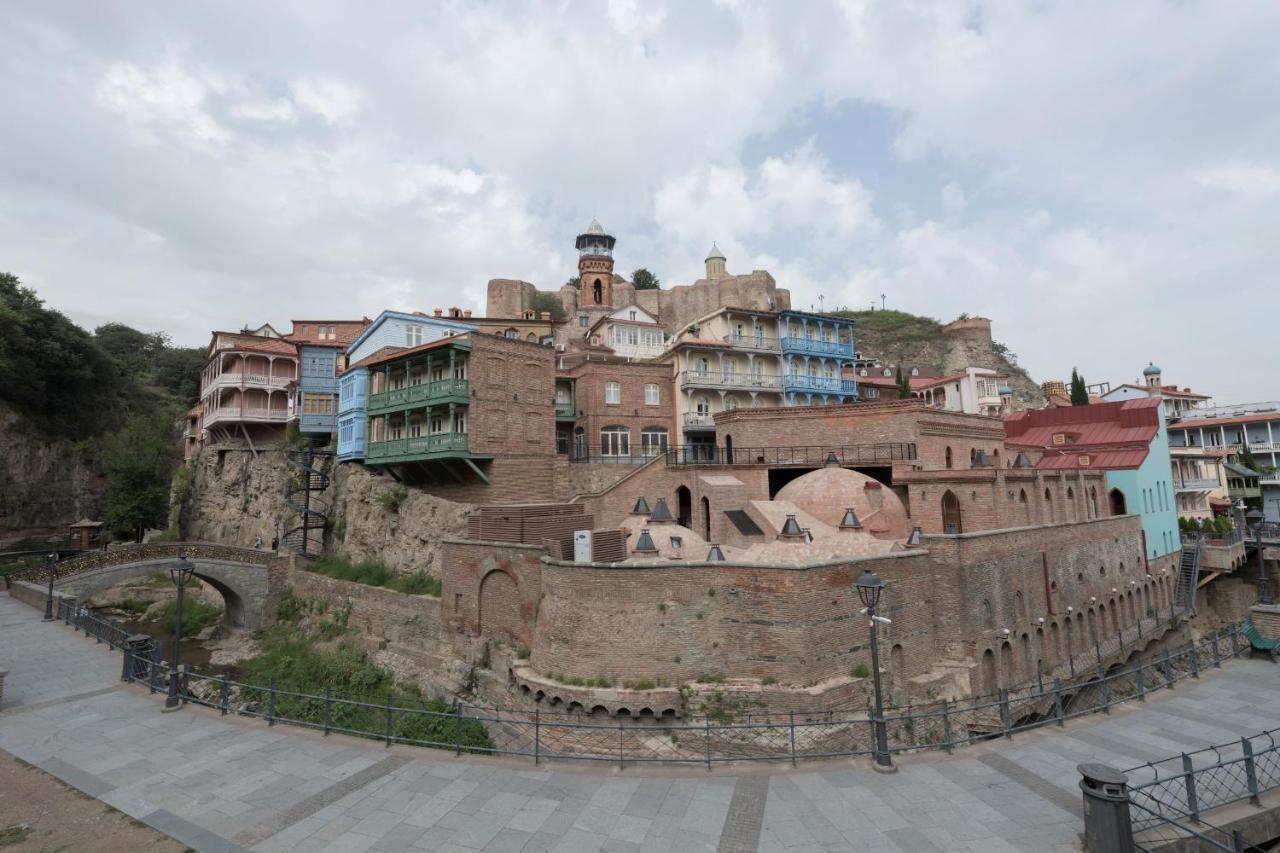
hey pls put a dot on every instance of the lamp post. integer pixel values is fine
(869, 588)
(181, 572)
(1264, 584)
(48, 602)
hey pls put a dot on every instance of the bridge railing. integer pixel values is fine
(718, 735)
(124, 554)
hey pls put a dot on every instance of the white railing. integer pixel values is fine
(233, 414)
(249, 380)
(694, 419)
(727, 379)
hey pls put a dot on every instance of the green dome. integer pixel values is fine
(1150, 370)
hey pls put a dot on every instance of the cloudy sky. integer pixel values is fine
(1101, 179)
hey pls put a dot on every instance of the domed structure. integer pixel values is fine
(828, 492)
(715, 263)
(1151, 369)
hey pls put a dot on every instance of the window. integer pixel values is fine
(437, 424)
(651, 395)
(615, 441)
(915, 371)
(730, 403)
(460, 369)
(460, 422)
(653, 440)
(612, 393)
(871, 393)
(314, 405)
(633, 315)
(582, 321)
(412, 336)
(415, 427)
(511, 334)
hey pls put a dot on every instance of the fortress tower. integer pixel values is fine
(715, 263)
(595, 267)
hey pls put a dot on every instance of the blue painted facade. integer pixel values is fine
(390, 329)
(317, 389)
(817, 352)
(1148, 493)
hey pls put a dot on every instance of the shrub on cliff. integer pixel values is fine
(137, 462)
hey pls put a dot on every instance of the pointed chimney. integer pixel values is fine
(661, 514)
(832, 461)
(915, 538)
(791, 530)
(980, 460)
(715, 555)
(644, 545)
(641, 507)
(1022, 460)
(850, 520)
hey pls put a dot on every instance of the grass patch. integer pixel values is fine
(196, 616)
(860, 670)
(375, 573)
(11, 836)
(292, 661)
(134, 606)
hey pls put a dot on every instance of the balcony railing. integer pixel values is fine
(422, 394)
(803, 384)
(234, 414)
(730, 379)
(855, 454)
(759, 342)
(249, 380)
(1195, 483)
(1264, 446)
(1235, 493)
(816, 346)
(565, 410)
(696, 420)
(417, 447)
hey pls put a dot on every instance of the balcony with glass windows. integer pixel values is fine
(727, 379)
(801, 383)
(813, 346)
(419, 395)
(759, 343)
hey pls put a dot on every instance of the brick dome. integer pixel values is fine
(827, 492)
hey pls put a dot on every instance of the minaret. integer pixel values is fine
(715, 263)
(595, 267)
(1151, 374)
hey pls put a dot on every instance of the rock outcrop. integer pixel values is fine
(47, 483)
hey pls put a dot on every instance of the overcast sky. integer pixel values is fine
(1101, 179)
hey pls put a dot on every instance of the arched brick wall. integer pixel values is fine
(499, 606)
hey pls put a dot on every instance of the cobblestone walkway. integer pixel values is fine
(223, 784)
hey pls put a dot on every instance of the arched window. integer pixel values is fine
(706, 519)
(1024, 507)
(653, 440)
(1048, 506)
(702, 406)
(1119, 506)
(597, 290)
(1071, 504)
(951, 522)
(948, 455)
(615, 441)
(531, 338)
(1093, 501)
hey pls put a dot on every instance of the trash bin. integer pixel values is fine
(137, 656)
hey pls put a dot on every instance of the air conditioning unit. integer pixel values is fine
(560, 347)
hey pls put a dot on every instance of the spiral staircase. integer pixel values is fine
(302, 495)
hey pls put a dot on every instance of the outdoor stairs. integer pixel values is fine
(302, 497)
(1184, 592)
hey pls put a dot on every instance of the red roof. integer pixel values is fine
(1109, 460)
(395, 353)
(1169, 391)
(1128, 424)
(877, 381)
(255, 343)
(1193, 423)
(919, 383)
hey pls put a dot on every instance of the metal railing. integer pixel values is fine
(761, 342)
(719, 735)
(807, 384)
(814, 346)
(635, 453)
(845, 454)
(124, 554)
(731, 379)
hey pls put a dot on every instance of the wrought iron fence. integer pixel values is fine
(1183, 786)
(88, 561)
(717, 737)
(845, 454)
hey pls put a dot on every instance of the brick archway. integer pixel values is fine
(499, 614)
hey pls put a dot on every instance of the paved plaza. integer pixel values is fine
(221, 783)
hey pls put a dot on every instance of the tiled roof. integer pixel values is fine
(919, 383)
(1194, 423)
(1109, 460)
(1169, 391)
(394, 353)
(257, 343)
(1132, 423)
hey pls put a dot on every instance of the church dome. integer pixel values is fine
(1150, 370)
(827, 492)
(715, 254)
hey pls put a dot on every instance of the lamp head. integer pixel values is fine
(869, 588)
(181, 571)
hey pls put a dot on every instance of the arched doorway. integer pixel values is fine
(1006, 664)
(1048, 506)
(1025, 507)
(1027, 664)
(951, 523)
(499, 614)
(1119, 506)
(597, 291)
(728, 449)
(1093, 502)
(989, 672)
(1056, 642)
(706, 519)
(684, 507)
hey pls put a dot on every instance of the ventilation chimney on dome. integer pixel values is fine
(644, 545)
(791, 530)
(661, 514)
(832, 461)
(715, 555)
(439, 312)
(641, 507)
(850, 520)
(1022, 460)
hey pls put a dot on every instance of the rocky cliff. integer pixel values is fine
(43, 483)
(235, 497)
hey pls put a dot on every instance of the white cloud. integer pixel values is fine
(1253, 180)
(332, 100)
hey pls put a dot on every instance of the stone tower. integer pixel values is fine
(715, 263)
(595, 267)
(1151, 375)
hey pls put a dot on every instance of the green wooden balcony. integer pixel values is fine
(417, 396)
(566, 411)
(417, 448)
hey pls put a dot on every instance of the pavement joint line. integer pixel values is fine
(16, 709)
(1035, 783)
(745, 818)
(186, 832)
(320, 799)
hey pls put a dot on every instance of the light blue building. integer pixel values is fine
(817, 359)
(318, 388)
(391, 330)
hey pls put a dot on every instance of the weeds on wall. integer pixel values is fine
(375, 573)
(392, 498)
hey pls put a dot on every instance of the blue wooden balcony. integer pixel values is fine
(800, 383)
(795, 345)
(420, 395)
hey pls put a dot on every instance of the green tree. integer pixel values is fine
(137, 467)
(549, 302)
(904, 384)
(645, 280)
(574, 281)
(1245, 455)
(1079, 393)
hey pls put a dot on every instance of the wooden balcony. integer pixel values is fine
(250, 414)
(815, 346)
(419, 396)
(250, 380)
(417, 448)
(730, 379)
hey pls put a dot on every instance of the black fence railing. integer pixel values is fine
(121, 555)
(716, 737)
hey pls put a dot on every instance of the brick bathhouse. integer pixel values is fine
(1017, 567)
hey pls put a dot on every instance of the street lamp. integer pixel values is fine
(869, 588)
(181, 572)
(1256, 518)
(48, 602)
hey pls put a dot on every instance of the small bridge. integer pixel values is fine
(242, 576)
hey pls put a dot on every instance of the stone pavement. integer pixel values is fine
(222, 784)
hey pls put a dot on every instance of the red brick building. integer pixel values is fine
(612, 410)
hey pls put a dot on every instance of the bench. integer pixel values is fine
(1260, 643)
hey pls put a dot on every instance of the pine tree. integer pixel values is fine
(904, 384)
(1079, 393)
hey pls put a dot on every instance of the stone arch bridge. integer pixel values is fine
(248, 579)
